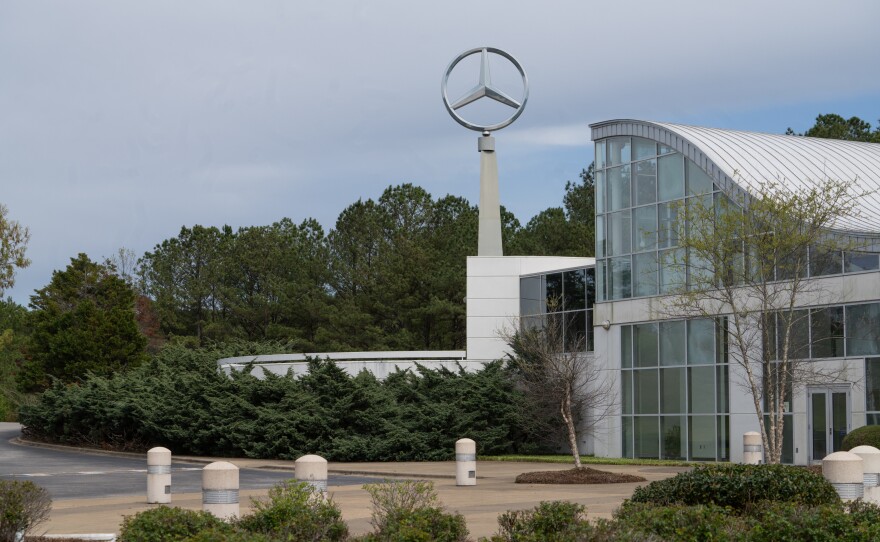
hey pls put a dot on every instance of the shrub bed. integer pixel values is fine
(739, 487)
(181, 401)
(868, 435)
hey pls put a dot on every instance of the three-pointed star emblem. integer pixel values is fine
(484, 88)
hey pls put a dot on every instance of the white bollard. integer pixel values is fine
(845, 471)
(871, 475)
(465, 462)
(220, 490)
(752, 448)
(159, 476)
(312, 469)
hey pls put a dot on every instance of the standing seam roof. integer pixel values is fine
(739, 160)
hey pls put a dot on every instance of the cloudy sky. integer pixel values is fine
(121, 121)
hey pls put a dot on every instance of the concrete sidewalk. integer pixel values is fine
(481, 505)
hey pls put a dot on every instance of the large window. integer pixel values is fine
(827, 332)
(872, 390)
(674, 398)
(639, 184)
(566, 295)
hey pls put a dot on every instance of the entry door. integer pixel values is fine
(829, 420)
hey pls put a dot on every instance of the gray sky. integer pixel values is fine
(121, 121)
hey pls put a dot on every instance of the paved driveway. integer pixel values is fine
(71, 474)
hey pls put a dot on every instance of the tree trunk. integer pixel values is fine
(565, 408)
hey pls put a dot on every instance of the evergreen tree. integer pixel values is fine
(82, 322)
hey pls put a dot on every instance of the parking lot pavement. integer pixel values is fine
(495, 492)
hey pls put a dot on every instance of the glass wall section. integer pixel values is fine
(638, 184)
(829, 332)
(872, 390)
(826, 327)
(564, 297)
(674, 390)
(863, 329)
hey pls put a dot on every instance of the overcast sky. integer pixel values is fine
(122, 121)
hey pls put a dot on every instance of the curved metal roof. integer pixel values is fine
(743, 160)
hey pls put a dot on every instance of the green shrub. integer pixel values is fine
(409, 511)
(164, 524)
(867, 435)
(557, 520)
(296, 511)
(181, 401)
(226, 535)
(391, 499)
(23, 506)
(680, 523)
(422, 525)
(739, 487)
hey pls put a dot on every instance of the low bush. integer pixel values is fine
(166, 524)
(229, 535)
(677, 522)
(739, 487)
(772, 522)
(868, 435)
(556, 520)
(296, 511)
(23, 506)
(409, 511)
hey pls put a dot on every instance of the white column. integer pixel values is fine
(845, 471)
(753, 451)
(159, 476)
(220, 489)
(489, 234)
(871, 475)
(465, 462)
(312, 469)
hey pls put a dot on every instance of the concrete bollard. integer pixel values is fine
(845, 472)
(220, 489)
(753, 451)
(465, 462)
(871, 475)
(312, 469)
(159, 476)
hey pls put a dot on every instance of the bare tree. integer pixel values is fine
(748, 257)
(125, 263)
(558, 375)
(13, 243)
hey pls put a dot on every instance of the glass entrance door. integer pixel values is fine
(829, 418)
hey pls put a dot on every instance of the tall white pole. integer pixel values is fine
(489, 236)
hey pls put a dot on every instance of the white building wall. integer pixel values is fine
(493, 297)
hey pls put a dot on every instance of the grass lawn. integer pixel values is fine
(588, 460)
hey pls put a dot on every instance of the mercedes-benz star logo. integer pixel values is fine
(484, 89)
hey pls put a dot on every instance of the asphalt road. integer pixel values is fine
(77, 475)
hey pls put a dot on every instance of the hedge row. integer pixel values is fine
(179, 400)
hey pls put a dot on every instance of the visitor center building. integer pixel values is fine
(679, 396)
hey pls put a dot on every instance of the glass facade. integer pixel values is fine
(674, 390)
(568, 295)
(872, 390)
(837, 331)
(674, 374)
(638, 182)
(640, 185)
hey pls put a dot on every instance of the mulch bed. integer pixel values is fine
(583, 475)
